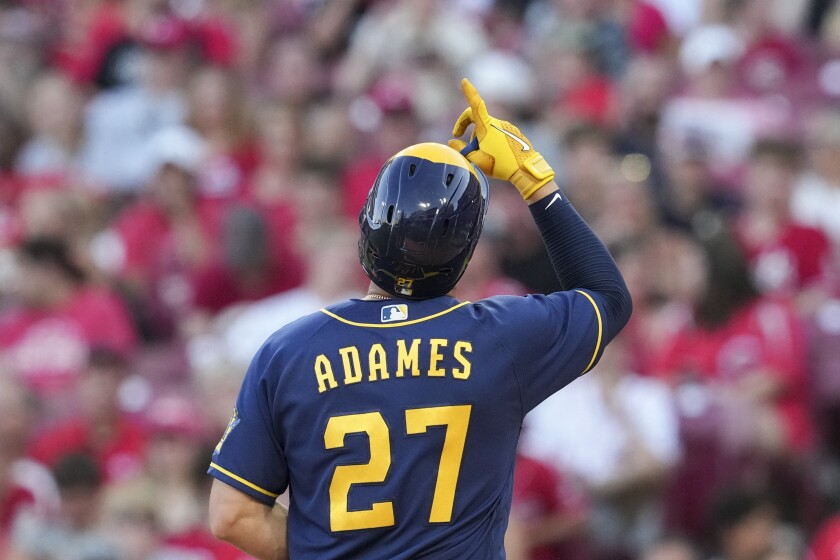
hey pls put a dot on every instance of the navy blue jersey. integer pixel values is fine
(395, 423)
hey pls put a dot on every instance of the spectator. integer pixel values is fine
(645, 87)
(274, 180)
(131, 520)
(391, 120)
(549, 512)
(175, 439)
(75, 532)
(25, 486)
(23, 33)
(329, 132)
(100, 429)
(54, 118)
(250, 267)
(712, 109)
(166, 236)
(693, 194)
(332, 273)
(278, 188)
(747, 526)
(622, 447)
(392, 33)
(749, 344)
(816, 197)
(217, 111)
(737, 362)
(317, 201)
(120, 123)
(57, 309)
(629, 211)
(589, 160)
(785, 258)
(197, 541)
(292, 74)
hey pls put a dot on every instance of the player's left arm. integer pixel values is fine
(249, 465)
(248, 524)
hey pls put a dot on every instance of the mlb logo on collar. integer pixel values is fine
(392, 313)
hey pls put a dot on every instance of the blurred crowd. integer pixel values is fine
(180, 178)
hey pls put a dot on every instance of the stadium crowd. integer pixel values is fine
(180, 178)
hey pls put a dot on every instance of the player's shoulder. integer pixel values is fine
(506, 307)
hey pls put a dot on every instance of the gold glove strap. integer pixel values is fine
(535, 173)
(538, 167)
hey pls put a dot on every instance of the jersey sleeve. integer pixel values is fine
(553, 339)
(249, 456)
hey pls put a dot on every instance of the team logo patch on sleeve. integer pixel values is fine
(234, 421)
(392, 313)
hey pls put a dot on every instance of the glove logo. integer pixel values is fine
(391, 313)
(525, 147)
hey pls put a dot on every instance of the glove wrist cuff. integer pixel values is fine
(534, 173)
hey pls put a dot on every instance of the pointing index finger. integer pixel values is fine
(479, 109)
(474, 99)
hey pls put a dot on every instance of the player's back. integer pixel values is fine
(398, 420)
(426, 407)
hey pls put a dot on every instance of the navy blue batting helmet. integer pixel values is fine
(422, 220)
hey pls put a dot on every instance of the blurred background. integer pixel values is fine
(180, 178)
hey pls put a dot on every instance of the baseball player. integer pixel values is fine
(393, 419)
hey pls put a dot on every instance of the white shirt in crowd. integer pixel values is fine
(576, 430)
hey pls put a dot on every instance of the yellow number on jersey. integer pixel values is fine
(456, 419)
(381, 514)
(417, 420)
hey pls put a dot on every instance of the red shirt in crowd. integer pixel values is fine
(118, 458)
(82, 54)
(218, 285)
(764, 336)
(540, 491)
(12, 499)
(356, 182)
(826, 542)
(796, 258)
(148, 234)
(48, 348)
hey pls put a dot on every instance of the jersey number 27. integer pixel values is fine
(456, 418)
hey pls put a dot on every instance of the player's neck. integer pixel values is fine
(376, 293)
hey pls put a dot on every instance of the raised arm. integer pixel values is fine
(580, 259)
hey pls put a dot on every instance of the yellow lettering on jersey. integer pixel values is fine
(377, 364)
(408, 358)
(324, 374)
(352, 364)
(435, 357)
(461, 347)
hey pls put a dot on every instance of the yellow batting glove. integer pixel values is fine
(498, 148)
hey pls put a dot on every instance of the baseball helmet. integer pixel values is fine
(422, 220)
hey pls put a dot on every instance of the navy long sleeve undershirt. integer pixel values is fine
(581, 261)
